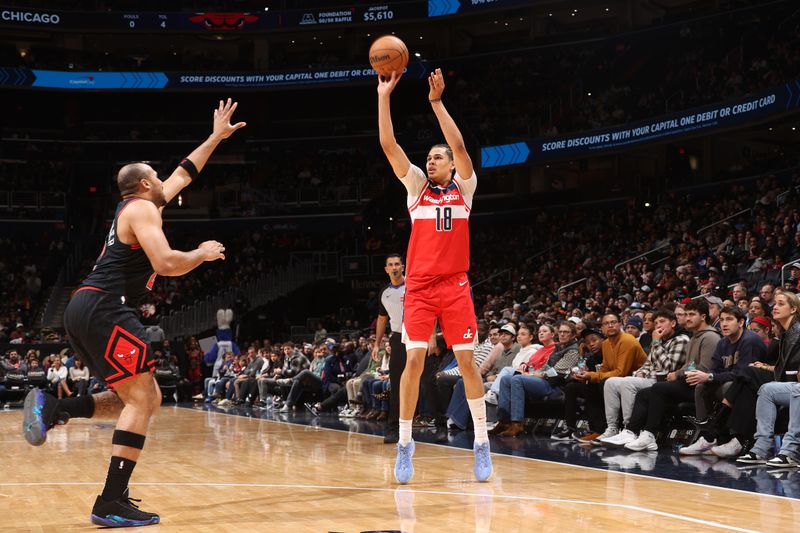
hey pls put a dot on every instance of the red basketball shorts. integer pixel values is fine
(448, 299)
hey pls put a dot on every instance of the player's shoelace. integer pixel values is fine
(482, 456)
(404, 457)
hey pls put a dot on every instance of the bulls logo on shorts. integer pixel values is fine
(126, 354)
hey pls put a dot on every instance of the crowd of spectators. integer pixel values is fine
(630, 77)
(60, 372)
(29, 266)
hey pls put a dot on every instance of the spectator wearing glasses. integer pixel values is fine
(581, 388)
(621, 355)
(542, 381)
(667, 354)
(767, 294)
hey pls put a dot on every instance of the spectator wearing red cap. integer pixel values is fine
(762, 327)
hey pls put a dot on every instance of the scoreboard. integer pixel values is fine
(246, 21)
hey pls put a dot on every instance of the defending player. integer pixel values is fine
(437, 286)
(105, 331)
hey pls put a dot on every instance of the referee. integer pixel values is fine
(391, 311)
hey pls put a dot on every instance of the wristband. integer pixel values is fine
(189, 167)
(435, 100)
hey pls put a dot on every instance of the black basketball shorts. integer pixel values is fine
(107, 336)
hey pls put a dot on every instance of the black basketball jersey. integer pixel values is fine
(121, 268)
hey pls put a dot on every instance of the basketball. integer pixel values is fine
(388, 54)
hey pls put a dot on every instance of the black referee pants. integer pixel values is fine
(397, 363)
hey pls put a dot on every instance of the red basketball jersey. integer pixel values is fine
(439, 244)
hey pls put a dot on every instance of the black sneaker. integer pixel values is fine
(121, 512)
(564, 434)
(40, 414)
(782, 461)
(751, 458)
(391, 437)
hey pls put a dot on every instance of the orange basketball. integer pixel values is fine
(388, 54)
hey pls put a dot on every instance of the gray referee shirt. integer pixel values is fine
(391, 305)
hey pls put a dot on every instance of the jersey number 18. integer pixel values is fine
(444, 218)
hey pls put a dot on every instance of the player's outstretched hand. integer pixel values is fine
(213, 250)
(222, 120)
(436, 83)
(387, 84)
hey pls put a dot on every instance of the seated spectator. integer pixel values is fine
(651, 404)
(267, 379)
(733, 356)
(209, 384)
(338, 369)
(502, 355)
(591, 357)
(222, 388)
(57, 377)
(771, 395)
(634, 326)
(308, 381)
(762, 327)
(78, 376)
(37, 375)
(648, 324)
(167, 375)
(782, 391)
(372, 388)
(529, 356)
(541, 382)
(621, 355)
(667, 354)
(353, 385)
(756, 308)
(245, 383)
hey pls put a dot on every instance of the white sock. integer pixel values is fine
(477, 408)
(405, 432)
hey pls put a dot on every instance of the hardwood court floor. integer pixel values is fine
(207, 471)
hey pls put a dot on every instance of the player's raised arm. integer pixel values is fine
(394, 153)
(194, 162)
(451, 132)
(145, 222)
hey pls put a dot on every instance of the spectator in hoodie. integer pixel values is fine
(733, 356)
(651, 404)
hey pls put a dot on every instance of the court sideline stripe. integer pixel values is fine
(497, 454)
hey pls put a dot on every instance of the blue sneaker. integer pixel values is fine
(39, 415)
(483, 461)
(403, 468)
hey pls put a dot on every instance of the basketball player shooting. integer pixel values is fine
(437, 288)
(106, 333)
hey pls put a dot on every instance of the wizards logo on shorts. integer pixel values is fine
(126, 354)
